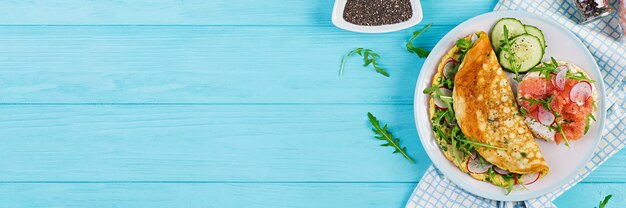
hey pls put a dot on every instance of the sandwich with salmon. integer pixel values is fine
(558, 101)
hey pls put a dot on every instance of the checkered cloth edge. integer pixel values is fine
(602, 40)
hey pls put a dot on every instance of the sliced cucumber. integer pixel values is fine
(514, 26)
(532, 30)
(527, 50)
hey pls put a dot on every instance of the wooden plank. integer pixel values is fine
(205, 195)
(251, 195)
(201, 12)
(204, 143)
(198, 64)
(590, 194)
(214, 143)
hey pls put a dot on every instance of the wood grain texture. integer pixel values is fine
(205, 143)
(214, 143)
(251, 195)
(201, 12)
(198, 64)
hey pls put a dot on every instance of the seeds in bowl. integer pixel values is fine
(377, 12)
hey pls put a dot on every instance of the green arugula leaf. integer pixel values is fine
(550, 68)
(483, 145)
(541, 103)
(578, 76)
(509, 188)
(522, 111)
(588, 122)
(431, 89)
(422, 53)
(382, 133)
(369, 57)
(554, 62)
(547, 69)
(506, 46)
(606, 200)
(463, 44)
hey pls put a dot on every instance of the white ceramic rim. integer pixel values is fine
(337, 18)
(437, 157)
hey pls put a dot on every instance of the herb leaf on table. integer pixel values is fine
(382, 133)
(606, 200)
(369, 57)
(422, 53)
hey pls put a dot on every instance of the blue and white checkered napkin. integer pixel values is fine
(601, 37)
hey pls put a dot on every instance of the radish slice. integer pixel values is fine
(473, 156)
(500, 170)
(560, 78)
(445, 91)
(475, 166)
(545, 117)
(438, 102)
(474, 38)
(530, 178)
(580, 92)
(448, 68)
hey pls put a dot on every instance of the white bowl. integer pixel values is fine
(338, 20)
(565, 163)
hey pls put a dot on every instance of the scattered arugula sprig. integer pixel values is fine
(483, 144)
(422, 53)
(550, 68)
(522, 111)
(547, 69)
(603, 202)
(509, 180)
(369, 57)
(382, 133)
(578, 76)
(588, 121)
(545, 104)
(464, 44)
(506, 46)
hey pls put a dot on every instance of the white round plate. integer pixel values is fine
(564, 162)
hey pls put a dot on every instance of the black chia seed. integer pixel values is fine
(377, 12)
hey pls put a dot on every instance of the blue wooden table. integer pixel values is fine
(220, 103)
